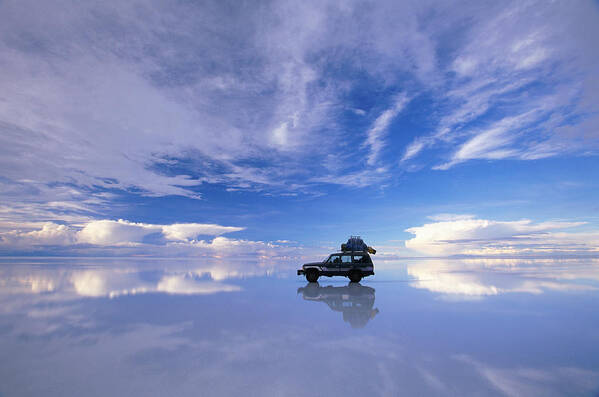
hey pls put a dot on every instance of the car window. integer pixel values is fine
(334, 259)
(358, 258)
(346, 258)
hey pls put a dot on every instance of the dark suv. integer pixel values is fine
(352, 264)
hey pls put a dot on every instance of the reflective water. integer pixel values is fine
(73, 327)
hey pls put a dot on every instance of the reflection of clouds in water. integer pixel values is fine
(95, 283)
(37, 291)
(50, 297)
(112, 283)
(274, 359)
(523, 381)
(115, 279)
(482, 277)
(186, 285)
(355, 301)
(186, 345)
(89, 283)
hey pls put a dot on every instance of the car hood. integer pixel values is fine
(313, 264)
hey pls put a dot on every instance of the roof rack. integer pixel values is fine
(356, 244)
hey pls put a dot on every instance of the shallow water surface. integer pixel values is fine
(73, 327)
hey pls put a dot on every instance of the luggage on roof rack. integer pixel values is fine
(355, 243)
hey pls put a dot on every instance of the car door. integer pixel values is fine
(363, 262)
(332, 264)
(358, 261)
(346, 263)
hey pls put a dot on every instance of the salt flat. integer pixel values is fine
(124, 326)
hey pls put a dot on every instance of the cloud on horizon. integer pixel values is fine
(121, 237)
(467, 235)
(447, 235)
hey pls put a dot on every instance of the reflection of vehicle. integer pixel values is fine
(353, 300)
(352, 264)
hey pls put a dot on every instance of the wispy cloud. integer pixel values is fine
(103, 101)
(496, 142)
(375, 136)
(496, 76)
(157, 100)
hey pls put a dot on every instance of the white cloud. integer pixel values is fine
(413, 149)
(49, 234)
(361, 178)
(498, 141)
(280, 135)
(108, 232)
(471, 236)
(186, 231)
(110, 238)
(375, 139)
(224, 242)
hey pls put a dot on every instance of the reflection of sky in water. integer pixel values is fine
(152, 327)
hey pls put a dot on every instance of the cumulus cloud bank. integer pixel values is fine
(108, 232)
(471, 236)
(121, 237)
(122, 233)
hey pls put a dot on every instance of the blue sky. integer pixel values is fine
(279, 128)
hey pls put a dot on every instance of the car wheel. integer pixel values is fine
(312, 275)
(355, 276)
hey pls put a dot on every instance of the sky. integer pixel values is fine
(277, 129)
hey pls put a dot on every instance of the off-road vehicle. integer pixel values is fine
(352, 264)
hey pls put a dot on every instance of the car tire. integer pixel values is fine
(355, 276)
(312, 275)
